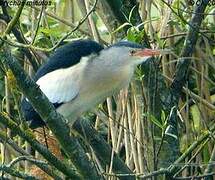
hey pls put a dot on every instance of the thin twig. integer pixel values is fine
(194, 29)
(59, 42)
(195, 177)
(185, 33)
(68, 23)
(38, 25)
(30, 54)
(140, 175)
(194, 96)
(15, 19)
(193, 146)
(74, 29)
(211, 165)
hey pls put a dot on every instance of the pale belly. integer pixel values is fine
(86, 101)
(94, 91)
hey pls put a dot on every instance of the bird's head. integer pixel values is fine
(129, 53)
(140, 55)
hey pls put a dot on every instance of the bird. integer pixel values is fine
(81, 74)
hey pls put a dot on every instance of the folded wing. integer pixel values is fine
(60, 85)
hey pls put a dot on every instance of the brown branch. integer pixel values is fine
(185, 33)
(25, 156)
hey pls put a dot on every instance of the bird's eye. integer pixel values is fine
(132, 52)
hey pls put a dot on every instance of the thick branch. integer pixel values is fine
(172, 99)
(183, 65)
(29, 137)
(102, 150)
(25, 156)
(16, 173)
(41, 164)
(5, 139)
(54, 120)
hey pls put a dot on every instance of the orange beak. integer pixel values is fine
(147, 52)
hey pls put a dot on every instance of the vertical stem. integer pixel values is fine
(111, 122)
(132, 140)
(7, 156)
(210, 166)
(91, 22)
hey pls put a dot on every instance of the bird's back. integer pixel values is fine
(68, 55)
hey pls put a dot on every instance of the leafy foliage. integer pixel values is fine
(136, 123)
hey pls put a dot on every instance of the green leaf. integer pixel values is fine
(134, 34)
(154, 120)
(54, 31)
(163, 117)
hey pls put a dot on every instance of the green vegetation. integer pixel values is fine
(161, 127)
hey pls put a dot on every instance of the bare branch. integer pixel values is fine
(41, 164)
(29, 137)
(16, 173)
